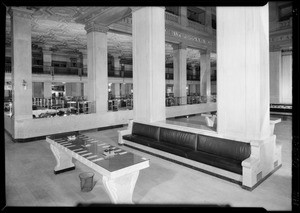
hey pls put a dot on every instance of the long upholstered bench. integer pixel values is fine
(230, 158)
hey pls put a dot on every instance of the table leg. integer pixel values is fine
(120, 190)
(63, 160)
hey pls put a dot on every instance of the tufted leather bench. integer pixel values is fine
(218, 152)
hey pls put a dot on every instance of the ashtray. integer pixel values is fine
(72, 137)
(108, 153)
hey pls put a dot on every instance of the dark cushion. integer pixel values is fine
(171, 148)
(139, 139)
(180, 138)
(145, 130)
(223, 147)
(216, 161)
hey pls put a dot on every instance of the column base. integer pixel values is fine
(263, 179)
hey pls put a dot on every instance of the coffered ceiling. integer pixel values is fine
(61, 29)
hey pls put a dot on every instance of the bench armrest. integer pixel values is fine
(127, 131)
(250, 162)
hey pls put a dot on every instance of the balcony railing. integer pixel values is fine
(65, 71)
(40, 70)
(48, 107)
(113, 72)
(169, 76)
(193, 77)
(191, 99)
(49, 70)
(120, 104)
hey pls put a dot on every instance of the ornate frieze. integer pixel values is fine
(281, 38)
(275, 48)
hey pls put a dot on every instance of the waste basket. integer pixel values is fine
(86, 181)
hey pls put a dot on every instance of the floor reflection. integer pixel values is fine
(196, 121)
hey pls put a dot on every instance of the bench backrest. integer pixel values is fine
(145, 130)
(185, 139)
(224, 147)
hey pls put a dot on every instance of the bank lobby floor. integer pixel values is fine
(30, 180)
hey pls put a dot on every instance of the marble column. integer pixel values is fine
(21, 62)
(47, 62)
(205, 75)
(47, 89)
(83, 60)
(116, 90)
(148, 35)
(117, 66)
(275, 70)
(68, 88)
(243, 72)
(47, 59)
(180, 72)
(193, 69)
(208, 22)
(122, 89)
(97, 66)
(192, 89)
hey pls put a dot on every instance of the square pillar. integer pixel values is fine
(21, 62)
(205, 73)
(180, 73)
(243, 72)
(97, 66)
(148, 34)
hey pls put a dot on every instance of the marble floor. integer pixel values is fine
(30, 180)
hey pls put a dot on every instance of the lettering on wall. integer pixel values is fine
(281, 38)
(188, 37)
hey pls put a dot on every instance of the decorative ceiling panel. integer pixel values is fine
(57, 27)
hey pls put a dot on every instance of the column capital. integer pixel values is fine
(179, 46)
(275, 48)
(94, 27)
(83, 51)
(47, 51)
(133, 9)
(46, 47)
(116, 55)
(205, 51)
(20, 12)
